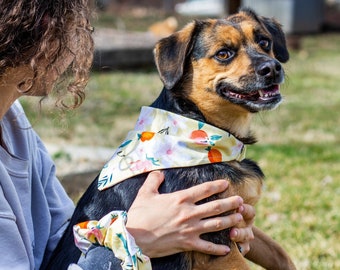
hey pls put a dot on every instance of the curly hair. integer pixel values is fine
(29, 27)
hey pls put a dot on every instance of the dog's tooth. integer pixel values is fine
(261, 93)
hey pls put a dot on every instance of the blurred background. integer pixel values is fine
(299, 143)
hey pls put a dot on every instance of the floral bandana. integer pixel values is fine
(161, 140)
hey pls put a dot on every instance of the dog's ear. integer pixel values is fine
(170, 54)
(274, 28)
(279, 40)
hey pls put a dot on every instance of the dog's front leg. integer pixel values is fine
(265, 252)
(234, 260)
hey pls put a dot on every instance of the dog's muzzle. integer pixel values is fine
(260, 91)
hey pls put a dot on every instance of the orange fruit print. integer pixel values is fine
(83, 225)
(146, 136)
(214, 155)
(198, 135)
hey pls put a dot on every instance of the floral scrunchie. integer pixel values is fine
(110, 231)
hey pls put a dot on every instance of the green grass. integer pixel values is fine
(298, 149)
(111, 107)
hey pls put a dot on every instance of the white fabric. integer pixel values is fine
(161, 140)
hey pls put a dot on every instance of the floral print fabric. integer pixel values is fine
(110, 231)
(161, 140)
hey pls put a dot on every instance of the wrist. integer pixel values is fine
(111, 232)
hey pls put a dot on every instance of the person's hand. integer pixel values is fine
(165, 224)
(242, 233)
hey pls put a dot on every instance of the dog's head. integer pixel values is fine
(225, 66)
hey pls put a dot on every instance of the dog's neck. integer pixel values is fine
(232, 119)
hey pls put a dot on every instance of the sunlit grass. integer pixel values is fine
(299, 152)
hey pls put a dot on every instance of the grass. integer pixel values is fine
(298, 149)
(111, 107)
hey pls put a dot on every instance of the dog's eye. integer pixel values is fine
(265, 44)
(224, 54)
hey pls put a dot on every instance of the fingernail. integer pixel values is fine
(233, 233)
(225, 183)
(239, 217)
(158, 172)
(241, 209)
(227, 250)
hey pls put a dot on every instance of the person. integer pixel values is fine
(45, 46)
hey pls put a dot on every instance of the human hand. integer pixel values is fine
(242, 233)
(165, 224)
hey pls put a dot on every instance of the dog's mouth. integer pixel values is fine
(265, 95)
(262, 99)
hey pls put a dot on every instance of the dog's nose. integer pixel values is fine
(269, 69)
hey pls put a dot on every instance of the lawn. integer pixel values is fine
(299, 151)
(298, 148)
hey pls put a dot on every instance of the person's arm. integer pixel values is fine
(159, 233)
(50, 199)
(165, 224)
(34, 207)
(13, 236)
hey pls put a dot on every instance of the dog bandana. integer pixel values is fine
(110, 231)
(161, 140)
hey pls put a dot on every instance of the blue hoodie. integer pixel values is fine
(34, 208)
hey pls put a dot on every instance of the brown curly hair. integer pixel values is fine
(29, 27)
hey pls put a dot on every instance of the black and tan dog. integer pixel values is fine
(218, 71)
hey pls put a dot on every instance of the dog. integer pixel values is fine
(219, 72)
